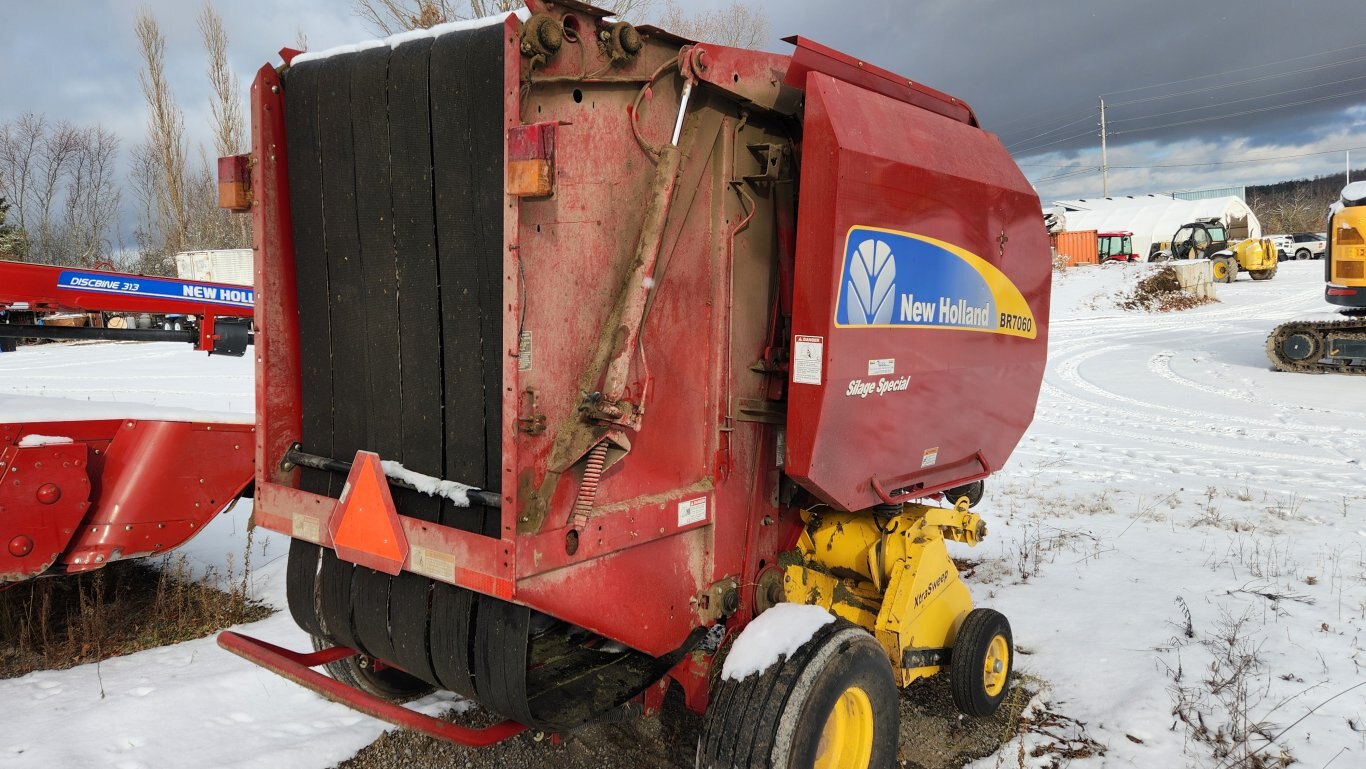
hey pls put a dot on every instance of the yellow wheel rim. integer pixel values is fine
(1220, 269)
(996, 666)
(847, 738)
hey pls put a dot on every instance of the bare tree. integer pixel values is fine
(92, 198)
(388, 17)
(737, 25)
(56, 150)
(12, 245)
(165, 136)
(61, 180)
(222, 229)
(19, 148)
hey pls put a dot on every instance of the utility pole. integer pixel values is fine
(1104, 161)
(1349, 166)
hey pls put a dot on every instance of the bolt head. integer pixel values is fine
(20, 546)
(49, 493)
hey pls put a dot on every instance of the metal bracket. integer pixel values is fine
(528, 421)
(717, 602)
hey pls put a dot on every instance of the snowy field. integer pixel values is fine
(1179, 543)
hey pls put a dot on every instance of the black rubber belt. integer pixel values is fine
(349, 414)
(452, 637)
(409, 615)
(370, 612)
(334, 599)
(378, 345)
(301, 585)
(501, 637)
(305, 173)
(419, 312)
(466, 90)
(310, 258)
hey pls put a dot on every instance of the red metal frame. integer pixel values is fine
(40, 288)
(120, 489)
(298, 668)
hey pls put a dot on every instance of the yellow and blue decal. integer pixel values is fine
(894, 279)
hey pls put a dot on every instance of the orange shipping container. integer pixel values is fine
(1079, 247)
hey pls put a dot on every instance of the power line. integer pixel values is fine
(1037, 147)
(1225, 86)
(1235, 101)
(1088, 116)
(1054, 118)
(1246, 160)
(1240, 114)
(1240, 69)
(1078, 172)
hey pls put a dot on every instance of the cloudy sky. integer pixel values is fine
(1173, 73)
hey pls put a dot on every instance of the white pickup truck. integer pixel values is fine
(1300, 245)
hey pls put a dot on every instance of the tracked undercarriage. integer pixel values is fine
(1319, 347)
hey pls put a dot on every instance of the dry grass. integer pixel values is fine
(1162, 292)
(60, 622)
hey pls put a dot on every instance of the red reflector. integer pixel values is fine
(234, 183)
(364, 525)
(1332, 291)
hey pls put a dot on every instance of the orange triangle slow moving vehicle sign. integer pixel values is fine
(364, 525)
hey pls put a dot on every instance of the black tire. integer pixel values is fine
(973, 491)
(358, 672)
(1302, 254)
(1160, 256)
(9, 344)
(777, 719)
(1232, 269)
(977, 690)
(1266, 274)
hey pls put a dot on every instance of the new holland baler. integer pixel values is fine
(582, 345)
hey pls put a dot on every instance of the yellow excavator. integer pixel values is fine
(1208, 239)
(1333, 346)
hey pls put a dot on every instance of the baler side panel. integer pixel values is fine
(904, 402)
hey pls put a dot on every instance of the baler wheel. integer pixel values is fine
(833, 705)
(983, 657)
(973, 491)
(359, 672)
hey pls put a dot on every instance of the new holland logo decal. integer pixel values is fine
(895, 279)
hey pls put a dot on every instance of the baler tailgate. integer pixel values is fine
(919, 339)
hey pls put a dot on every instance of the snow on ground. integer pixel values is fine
(190, 704)
(1169, 473)
(124, 380)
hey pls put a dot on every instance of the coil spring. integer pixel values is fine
(588, 488)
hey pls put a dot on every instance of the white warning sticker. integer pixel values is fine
(307, 527)
(807, 356)
(881, 366)
(431, 563)
(930, 457)
(524, 351)
(692, 511)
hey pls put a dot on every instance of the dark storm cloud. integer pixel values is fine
(1030, 67)
(1025, 67)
